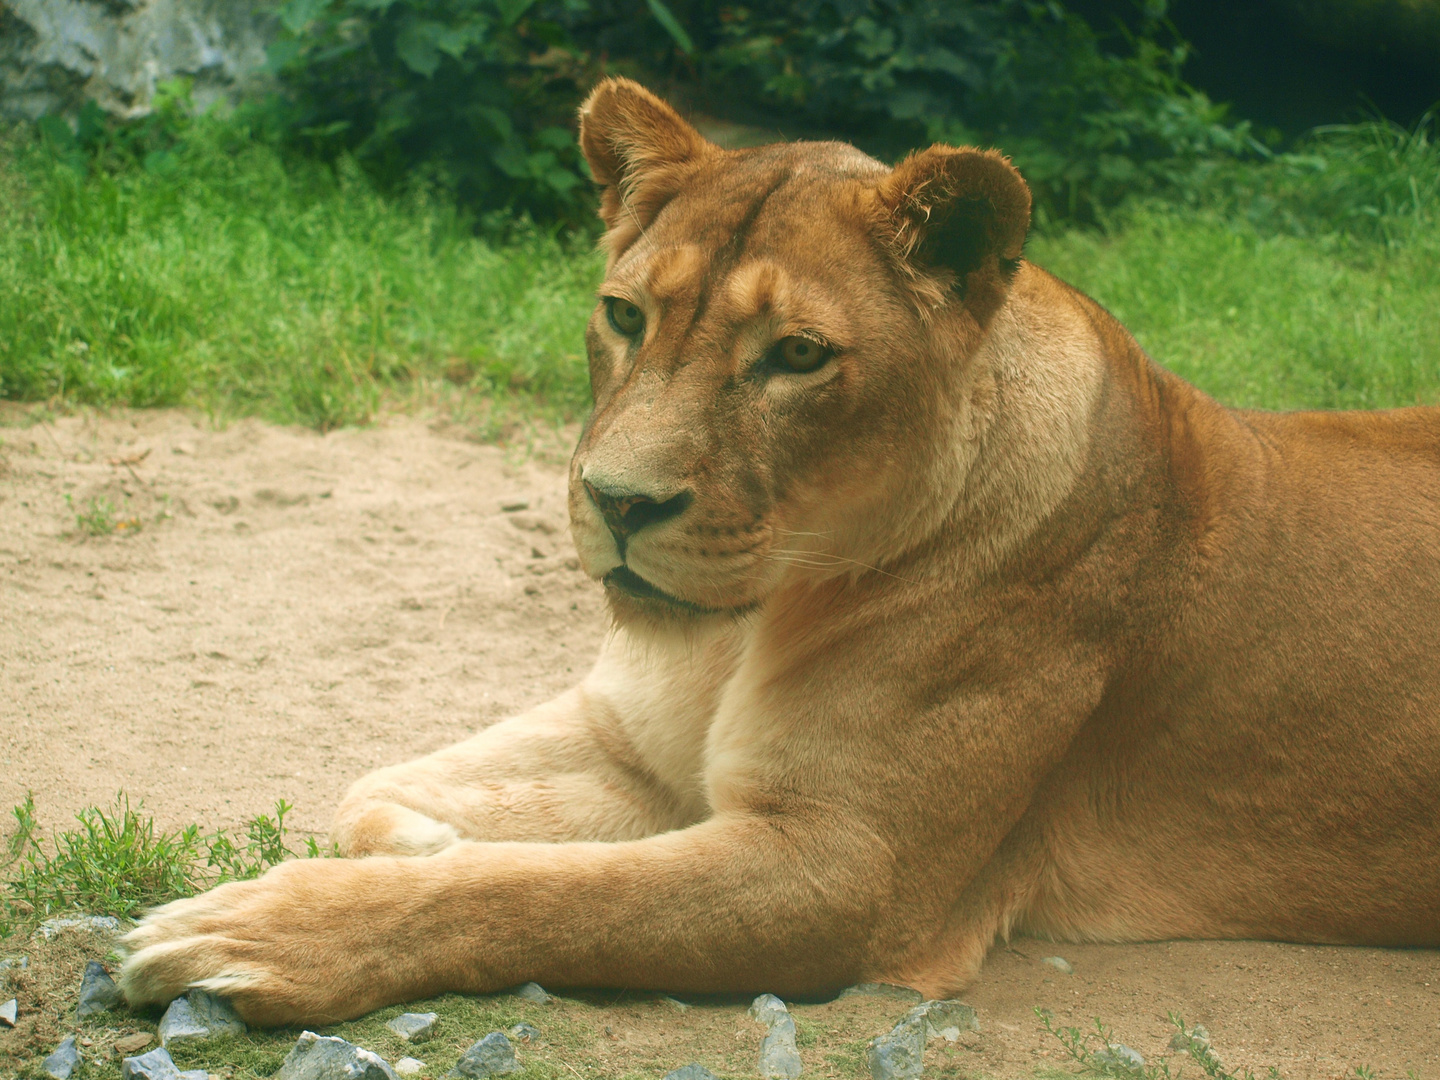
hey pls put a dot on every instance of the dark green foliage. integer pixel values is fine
(1374, 181)
(480, 94)
(1088, 121)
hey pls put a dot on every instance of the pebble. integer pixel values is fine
(889, 990)
(491, 1056)
(414, 1027)
(130, 1043)
(98, 991)
(532, 991)
(198, 1016)
(533, 523)
(779, 1059)
(900, 1053)
(510, 506)
(408, 1066)
(1117, 1057)
(61, 1064)
(325, 1057)
(106, 924)
(524, 1032)
(693, 1071)
(1059, 963)
(943, 1019)
(10, 1012)
(157, 1065)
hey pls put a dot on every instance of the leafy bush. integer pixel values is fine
(1373, 181)
(480, 93)
(1087, 122)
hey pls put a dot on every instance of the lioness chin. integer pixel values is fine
(940, 612)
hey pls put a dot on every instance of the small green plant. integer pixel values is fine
(96, 519)
(100, 517)
(118, 862)
(1100, 1055)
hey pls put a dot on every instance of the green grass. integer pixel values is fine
(226, 277)
(1274, 321)
(220, 274)
(117, 862)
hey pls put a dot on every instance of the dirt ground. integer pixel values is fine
(279, 611)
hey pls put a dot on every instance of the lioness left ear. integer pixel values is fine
(958, 218)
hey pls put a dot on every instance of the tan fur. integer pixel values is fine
(987, 623)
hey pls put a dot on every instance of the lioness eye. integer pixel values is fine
(625, 317)
(801, 354)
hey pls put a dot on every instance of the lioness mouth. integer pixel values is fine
(625, 580)
(632, 584)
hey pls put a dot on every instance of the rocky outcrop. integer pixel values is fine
(56, 54)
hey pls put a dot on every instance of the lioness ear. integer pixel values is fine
(958, 218)
(638, 147)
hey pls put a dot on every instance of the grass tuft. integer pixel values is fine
(117, 862)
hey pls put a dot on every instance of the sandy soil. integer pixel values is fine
(283, 610)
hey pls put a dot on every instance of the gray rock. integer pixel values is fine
(180, 1025)
(900, 1053)
(1059, 963)
(778, 1056)
(693, 1071)
(54, 54)
(532, 991)
(98, 991)
(96, 924)
(63, 1062)
(198, 1016)
(675, 1003)
(767, 1008)
(523, 1032)
(888, 990)
(157, 1065)
(1117, 1057)
(949, 1018)
(10, 1012)
(408, 1066)
(12, 964)
(414, 1027)
(324, 1057)
(491, 1056)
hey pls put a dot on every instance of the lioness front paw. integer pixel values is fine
(285, 948)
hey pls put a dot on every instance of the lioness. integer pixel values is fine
(940, 612)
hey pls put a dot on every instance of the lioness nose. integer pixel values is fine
(627, 512)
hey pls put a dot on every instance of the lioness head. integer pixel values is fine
(779, 358)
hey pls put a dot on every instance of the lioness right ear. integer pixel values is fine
(639, 148)
(957, 219)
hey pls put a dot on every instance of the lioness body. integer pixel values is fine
(983, 622)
